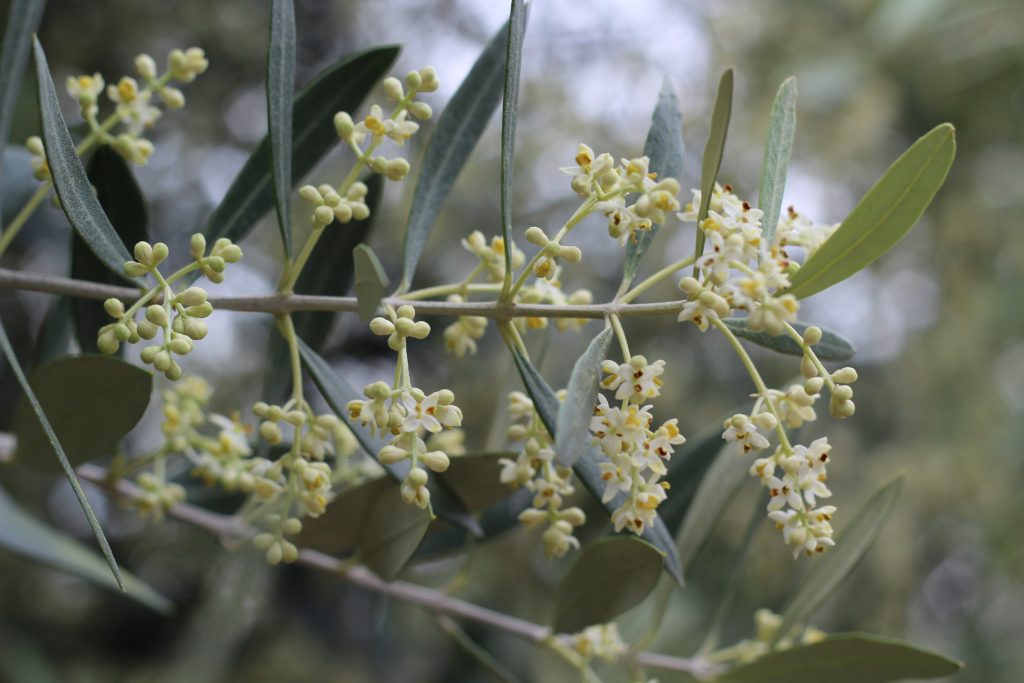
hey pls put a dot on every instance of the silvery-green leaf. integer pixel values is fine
(509, 103)
(572, 433)
(280, 91)
(713, 151)
(390, 533)
(371, 281)
(833, 346)
(778, 149)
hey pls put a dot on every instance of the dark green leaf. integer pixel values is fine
(341, 87)
(713, 151)
(91, 402)
(509, 102)
(833, 346)
(664, 148)
(610, 576)
(328, 272)
(587, 469)
(390, 533)
(55, 332)
(76, 196)
(24, 535)
(23, 18)
(778, 149)
(499, 518)
(337, 392)
(12, 360)
(371, 281)
(846, 658)
(572, 433)
(883, 216)
(122, 201)
(280, 91)
(717, 489)
(474, 479)
(337, 530)
(457, 131)
(18, 182)
(830, 570)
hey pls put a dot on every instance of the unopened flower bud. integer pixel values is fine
(143, 253)
(570, 254)
(322, 216)
(162, 361)
(420, 110)
(428, 79)
(181, 345)
(690, 285)
(845, 375)
(271, 433)
(393, 88)
(417, 476)
(813, 386)
(172, 97)
(406, 311)
(122, 332)
(413, 80)
(174, 372)
(295, 418)
(107, 343)
(344, 125)
(812, 335)
(535, 235)
(156, 314)
(381, 326)
(196, 329)
(160, 252)
(197, 245)
(146, 66)
(573, 516)
(435, 460)
(808, 368)
(146, 330)
(765, 421)
(114, 307)
(396, 169)
(842, 392)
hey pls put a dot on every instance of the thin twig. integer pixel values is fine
(230, 528)
(279, 304)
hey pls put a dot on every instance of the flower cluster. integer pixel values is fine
(601, 641)
(536, 469)
(637, 453)
(766, 627)
(404, 412)
(330, 205)
(396, 126)
(179, 317)
(133, 105)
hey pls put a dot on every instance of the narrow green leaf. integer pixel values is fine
(280, 91)
(341, 87)
(610, 576)
(371, 281)
(587, 469)
(713, 151)
(23, 534)
(474, 479)
(883, 216)
(337, 392)
(833, 346)
(54, 334)
(23, 18)
(18, 182)
(509, 102)
(122, 201)
(846, 658)
(687, 469)
(830, 570)
(717, 489)
(457, 131)
(76, 196)
(390, 533)
(664, 148)
(107, 399)
(328, 272)
(572, 432)
(778, 149)
(12, 360)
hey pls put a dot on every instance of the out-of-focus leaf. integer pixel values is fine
(586, 468)
(18, 182)
(55, 332)
(77, 200)
(24, 535)
(337, 392)
(778, 149)
(457, 131)
(509, 103)
(122, 201)
(833, 346)
(484, 658)
(328, 272)
(664, 148)
(371, 281)
(341, 87)
(280, 91)
(336, 531)
(717, 489)
(686, 471)
(610, 576)
(846, 658)
(474, 479)
(23, 18)
(572, 433)
(883, 216)
(499, 518)
(713, 151)
(91, 402)
(390, 533)
(12, 360)
(829, 571)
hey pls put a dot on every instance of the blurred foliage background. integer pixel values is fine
(937, 322)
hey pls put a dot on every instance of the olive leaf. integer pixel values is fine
(713, 151)
(778, 149)
(371, 281)
(456, 133)
(833, 346)
(572, 432)
(883, 216)
(390, 533)
(610, 576)
(280, 91)
(846, 658)
(509, 102)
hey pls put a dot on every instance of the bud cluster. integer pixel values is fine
(330, 205)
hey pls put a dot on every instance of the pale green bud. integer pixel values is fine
(535, 235)
(122, 332)
(344, 125)
(435, 460)
(812, 335)
(765, 421)
(808, 368)
(146, 67)
(174, 372)
(406, 311)
(291, 526)
(107, 342)
(172, 97)
(845, 375)
(289, 553)
(404, 326)
(197, 246)
(260, 409)
(144, 253)
(196, 329)
(274, 554)
(413, 80)
(429, 81)
(203, 310)
(573, 516)
(231, 253)
(570, 254)
(420, 110)
(396, 169)
(381, 326)
(393, 88)
(134, 269)
(295, 418)
(343, 212)
(311, 195)
(322, 216)
(181, 345)
(263, 541)
(146, 329)
(148, 354)
(114, 307)
(813, 385)
(842, 392)
(193, 296)
(156, 314)
(271, 433)
(690, 285)
(417, 476)
(162, 361)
